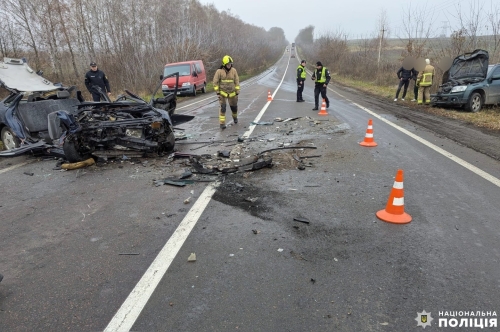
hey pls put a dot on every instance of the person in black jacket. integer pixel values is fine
(96, 78)
(404, 75)
(321, 78)
(415, 85)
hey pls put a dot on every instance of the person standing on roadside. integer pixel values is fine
(321, 77)
(424, 82)
(404, 76)
(227, 86)
(301, 77)
(96, 77)
(415, 85)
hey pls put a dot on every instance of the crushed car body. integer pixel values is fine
(470, 82)
(42, 117)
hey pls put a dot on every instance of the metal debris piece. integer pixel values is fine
(255, 231)
(187, 200)
(280, 249)
(29, 173)
(300, 219)
(262, 123)
(251, 199)
(224, 153)
(186, 174)
(192, 257)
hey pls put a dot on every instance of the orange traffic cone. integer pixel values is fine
(322, 111)
(269, 97)
(368, 141)
(395, 209)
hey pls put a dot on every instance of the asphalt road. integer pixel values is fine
(104, 247)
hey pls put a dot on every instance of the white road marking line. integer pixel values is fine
(261, 113)
(130, 310)
(14, 167)
(460, 161)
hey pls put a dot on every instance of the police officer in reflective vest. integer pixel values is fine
(424, 82)
(301, 77)
(227, 86)
(321, 77)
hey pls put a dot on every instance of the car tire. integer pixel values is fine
(9, 140)
(475, 103)
(194, 91)
(204, 89)
(71, 152)
(169, 145)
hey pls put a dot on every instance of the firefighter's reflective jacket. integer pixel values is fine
(425, 77)
(226, 82)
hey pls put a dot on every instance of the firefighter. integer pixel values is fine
(321, 77)
(301, 77)
(424, 82)
(227, 86)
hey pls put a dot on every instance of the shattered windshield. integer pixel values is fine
(184, 70)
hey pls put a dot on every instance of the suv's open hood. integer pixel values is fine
(469, 65)
(15, 74)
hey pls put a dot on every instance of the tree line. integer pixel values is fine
(130, 41)
(377, 58)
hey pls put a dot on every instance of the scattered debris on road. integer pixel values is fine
(303, 220)
(192, 257)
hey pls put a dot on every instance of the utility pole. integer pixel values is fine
(380, 45)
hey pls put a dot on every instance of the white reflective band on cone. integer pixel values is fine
(369, 135)
(398, 185)
(398, 201)
(370, 127)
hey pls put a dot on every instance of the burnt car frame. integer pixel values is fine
(41, 117)
(470, 83)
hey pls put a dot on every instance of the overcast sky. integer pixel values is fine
(356, 18)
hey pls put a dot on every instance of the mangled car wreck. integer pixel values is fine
(42, 117)
(470, 82)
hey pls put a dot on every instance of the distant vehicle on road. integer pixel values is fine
(471, 83)
(293, 44)
(192, 78)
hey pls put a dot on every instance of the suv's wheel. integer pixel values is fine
(475, 102)
(204, 89)
(71, 152)
(194, 90)
(9, 140)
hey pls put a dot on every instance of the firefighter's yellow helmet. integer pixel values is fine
(226, 59)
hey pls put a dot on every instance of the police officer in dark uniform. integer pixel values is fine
(321, 77)
(96, 77)
(301, 77)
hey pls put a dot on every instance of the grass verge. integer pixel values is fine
(488, 117)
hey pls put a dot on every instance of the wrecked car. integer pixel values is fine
(40, 116)
(470, 83)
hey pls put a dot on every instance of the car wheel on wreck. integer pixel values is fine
(475, 102)
(169, 144)
(72, 153)
(9, 140)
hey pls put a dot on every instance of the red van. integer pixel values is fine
(192, 78)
